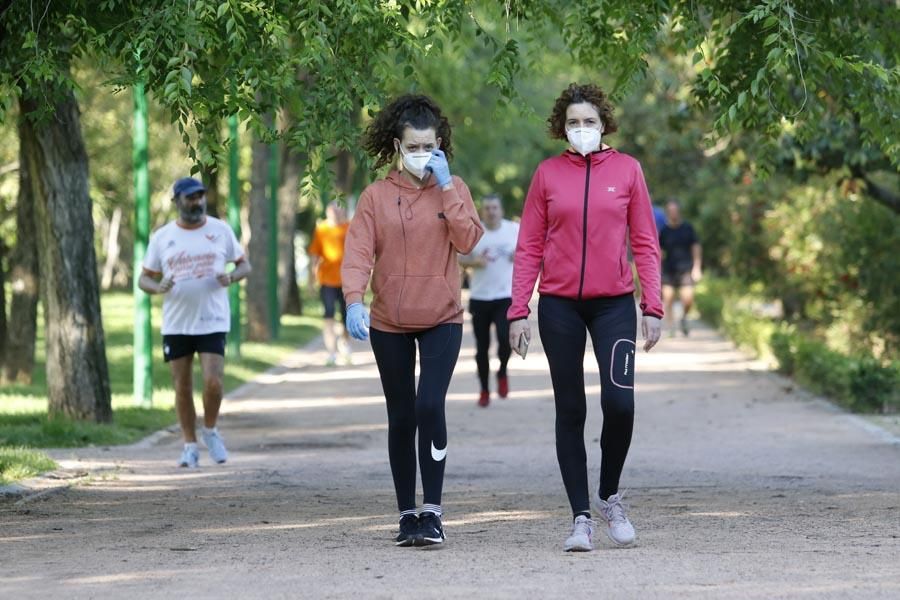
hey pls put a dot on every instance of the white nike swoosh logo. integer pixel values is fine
(438, 455)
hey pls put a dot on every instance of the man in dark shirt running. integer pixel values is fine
(682, 263)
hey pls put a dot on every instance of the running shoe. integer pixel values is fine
(580, 538)
(618, 528)
(215, 444)
(484, 399)
(431, 531)
(409, 531)
(503, 386)
(190, 457)
(331, 361)
(684, 327)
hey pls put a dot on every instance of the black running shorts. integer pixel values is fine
(333, 297)
(677, 279)
(179, 346)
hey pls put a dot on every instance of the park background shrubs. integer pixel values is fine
(859, 382)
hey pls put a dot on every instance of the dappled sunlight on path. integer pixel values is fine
(734, 473)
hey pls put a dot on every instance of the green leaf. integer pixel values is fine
(186, 79)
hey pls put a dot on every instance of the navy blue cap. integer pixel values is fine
(187, 186)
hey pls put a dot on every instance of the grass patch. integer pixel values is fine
(22, 463)
(23, 408)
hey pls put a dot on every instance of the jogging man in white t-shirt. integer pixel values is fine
(490, 289)
(186, 261)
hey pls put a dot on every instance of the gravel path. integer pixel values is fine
(740, 486)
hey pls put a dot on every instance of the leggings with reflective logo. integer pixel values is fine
(612, 323)
(410, 408)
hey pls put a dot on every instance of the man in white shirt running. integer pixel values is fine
(490, 287)
(186, 261)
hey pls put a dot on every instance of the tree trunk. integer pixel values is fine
(23, 279)
(211, 181)
(293, 303)
(2, 304)
(112, 249)
(288, 201)
(258, 323)
(344, 172)
(77, 373)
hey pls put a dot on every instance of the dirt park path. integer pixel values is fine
(739, 486)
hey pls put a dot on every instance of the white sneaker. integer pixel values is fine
(215, 444)
(190, 457)
(618, 528)
(580, 538)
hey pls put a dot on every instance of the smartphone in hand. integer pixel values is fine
(522, 346)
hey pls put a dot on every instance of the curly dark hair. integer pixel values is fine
(410, 110)
(576, 94)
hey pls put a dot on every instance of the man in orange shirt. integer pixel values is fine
(326, 253)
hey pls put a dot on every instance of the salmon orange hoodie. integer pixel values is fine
(407, 240)
(578, 215)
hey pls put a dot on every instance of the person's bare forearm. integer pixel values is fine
(148, 284)
(313, 268)
(241, 270)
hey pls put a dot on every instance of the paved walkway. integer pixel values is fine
(741, 486)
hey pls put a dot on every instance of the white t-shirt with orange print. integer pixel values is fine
(197, 304)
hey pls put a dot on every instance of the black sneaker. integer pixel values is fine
(409, 531)
(431, 531)
(684, 327)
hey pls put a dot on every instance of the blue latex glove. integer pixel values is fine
(440, 167)
(358, 321)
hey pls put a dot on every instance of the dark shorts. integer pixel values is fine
(331, 297)
(179, 346)
(677, 279)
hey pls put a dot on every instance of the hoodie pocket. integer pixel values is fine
(425, 301)
(624, 267)
(547, 261)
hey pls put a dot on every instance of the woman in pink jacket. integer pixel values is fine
(582, 209)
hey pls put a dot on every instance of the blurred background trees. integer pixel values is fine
(775, 123)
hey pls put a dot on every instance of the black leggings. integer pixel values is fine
(612, 323)
(409, 409)
(485, 313)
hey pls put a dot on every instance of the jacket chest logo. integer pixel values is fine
(611, 188)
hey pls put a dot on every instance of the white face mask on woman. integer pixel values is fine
(584, 139)
(415, 162)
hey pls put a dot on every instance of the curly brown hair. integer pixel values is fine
(576, 94)
(410, 110)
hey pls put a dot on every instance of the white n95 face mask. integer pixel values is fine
(415, 162)
(584, 139)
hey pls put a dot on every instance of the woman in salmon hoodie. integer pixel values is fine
(406, 233)
(582, 208)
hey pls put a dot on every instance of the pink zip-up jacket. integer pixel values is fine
(577, 215)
